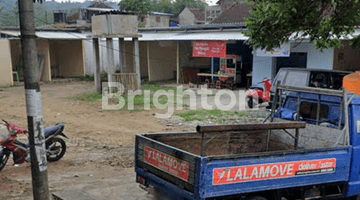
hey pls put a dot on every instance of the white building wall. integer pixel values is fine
(263, 66)
(315, 58)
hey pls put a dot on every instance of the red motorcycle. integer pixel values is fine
(256, 94)
(55, 145)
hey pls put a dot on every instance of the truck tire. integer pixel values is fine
(256, 198)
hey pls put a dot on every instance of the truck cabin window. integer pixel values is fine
(308, 111)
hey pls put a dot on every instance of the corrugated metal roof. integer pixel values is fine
(236, 35)
(101, 9)
(163, 14)
(51, 35)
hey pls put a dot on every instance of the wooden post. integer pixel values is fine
(97, 77)
(110, 59)
(137, 62)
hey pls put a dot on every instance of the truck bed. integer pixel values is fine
(238, 162)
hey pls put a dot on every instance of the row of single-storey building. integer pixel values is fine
(164, 53)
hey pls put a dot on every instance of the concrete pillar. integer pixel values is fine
(137, 62)
(97, 77)
(122, 55)
(177, 63)
(110, 59)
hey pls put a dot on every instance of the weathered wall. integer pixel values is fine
(6, 77)
(265, 66)
(262, 67)
(68, 55)
(114, 24)
(151, 21)
(15, 47)
(315, 58)
(187, 60)
(129, 56)
(346, 58)
(186, 17)
(143, 59)
(162, 60)
(42, 48)
(129, 52)
(190, 66)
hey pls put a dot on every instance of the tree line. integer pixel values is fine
(165, 6)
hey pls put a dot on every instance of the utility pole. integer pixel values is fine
(33, 101)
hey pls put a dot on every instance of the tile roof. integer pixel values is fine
(235, 14)
(198, 13)
(100, 5)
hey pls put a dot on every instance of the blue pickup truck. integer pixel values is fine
(314, 156)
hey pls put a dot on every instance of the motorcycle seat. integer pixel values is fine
(256, 88)
(53, 129)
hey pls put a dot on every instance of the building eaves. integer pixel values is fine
(162, 14)
(50, 35)
(186, 36)
(205, 27)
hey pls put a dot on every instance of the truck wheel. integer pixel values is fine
(256, 198)
(355, 197)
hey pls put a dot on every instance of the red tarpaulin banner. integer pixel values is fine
(216, 49)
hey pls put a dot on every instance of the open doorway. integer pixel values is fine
(295, 60)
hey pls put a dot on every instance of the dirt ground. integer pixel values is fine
(99, 158)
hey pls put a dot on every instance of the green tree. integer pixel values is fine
(142, 6)
(165, 6)
(9, 18)
(324, 22)
(179, 4)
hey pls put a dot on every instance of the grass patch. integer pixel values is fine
(3, 97)
(139, 100)
(153, 87)
(87, 97)
(85, 78)
(6, 86)
(199, 115)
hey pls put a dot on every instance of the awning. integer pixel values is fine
(224, 35)
(50, 35)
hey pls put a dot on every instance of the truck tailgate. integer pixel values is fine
(168, 163)
(230, 175)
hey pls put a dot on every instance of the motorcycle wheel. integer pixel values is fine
(3, 159)
(56, 150)
(250, 102)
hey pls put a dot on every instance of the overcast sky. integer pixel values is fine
(210, 2)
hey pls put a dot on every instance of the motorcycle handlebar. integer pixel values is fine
(5, 121)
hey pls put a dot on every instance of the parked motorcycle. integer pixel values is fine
(256, 95)
(55, 145)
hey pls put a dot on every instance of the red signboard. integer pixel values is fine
(216, 49)
(261, 172)
(166, 163)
